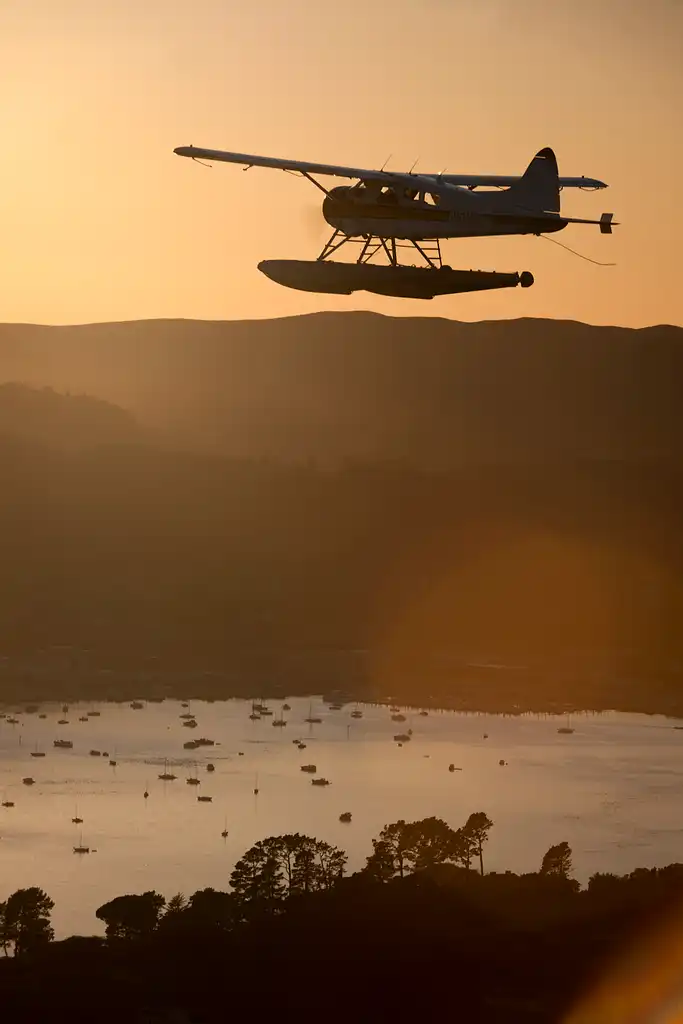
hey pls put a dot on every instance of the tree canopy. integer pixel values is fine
(282, 866)
(131, 916)
(25, 921)
(557, 861)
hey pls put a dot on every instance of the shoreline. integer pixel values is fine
(22, 695)
(560, 684)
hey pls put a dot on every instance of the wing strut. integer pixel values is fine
(305, 174)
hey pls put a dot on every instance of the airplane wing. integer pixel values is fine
(505, 180)
(302, 166)
(362, 174)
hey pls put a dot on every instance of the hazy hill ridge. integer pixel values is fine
(435, 498)
(361, 385)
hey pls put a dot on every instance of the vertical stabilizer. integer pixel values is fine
(539, 187)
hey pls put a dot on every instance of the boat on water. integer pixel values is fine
(28, 781)
(320, 782)
(37, 753)
(565, 730)
(113, 764)
(93, 714)
(279, 723)
(188, 715)
(190, 723)
(402, 737)
(137, 705)
(96, 753)
(76, 819)
(204, 799)
(167, 776)
(301, 746)
(225, 832)
(345, 817)
(286, 707)
(8, 803)
(192, 780)
(356, 714)
(398, 718)
(211, 767)
(63, 744)
(311, 769)
(312, 719)
(81, 848)
(424, 714)
(60, 721)
(83, 718)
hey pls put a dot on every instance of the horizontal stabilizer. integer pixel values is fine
(606, 223)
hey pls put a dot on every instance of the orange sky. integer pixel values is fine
(100, 221)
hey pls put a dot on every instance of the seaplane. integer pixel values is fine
(386, 213)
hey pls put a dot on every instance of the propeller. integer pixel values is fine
(313, 223)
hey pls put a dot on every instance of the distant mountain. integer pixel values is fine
(358, 385)
(501, 525)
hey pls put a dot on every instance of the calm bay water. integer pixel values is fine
(612, 789)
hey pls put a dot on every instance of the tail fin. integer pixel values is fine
(539, 187)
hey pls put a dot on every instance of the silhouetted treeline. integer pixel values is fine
(294, 937)
(255, 577)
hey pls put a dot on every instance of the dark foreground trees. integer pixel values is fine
(25, 921)
(557, 861)
(512, 949)
(403, 848)
(279, 867)
(506, 948)
(476, 833)
(131, 916)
